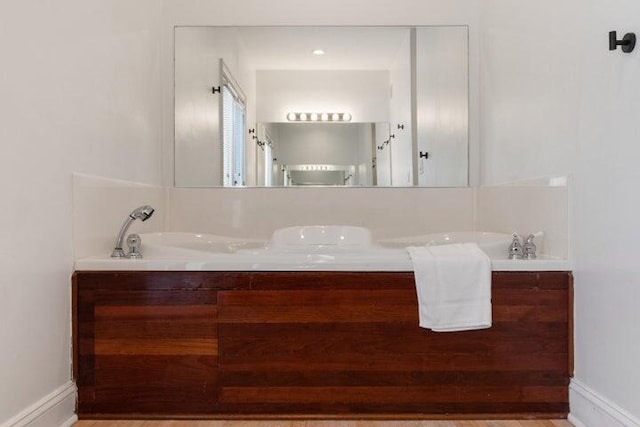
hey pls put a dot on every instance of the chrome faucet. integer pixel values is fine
(515, 248)
(143, 213)
(529, 248)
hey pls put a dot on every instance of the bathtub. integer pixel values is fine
(311, 248)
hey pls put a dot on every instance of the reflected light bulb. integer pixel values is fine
(303, 116)
(314, 116)
(324, 117)
(291, 117)
(335, 117)
(346, 117)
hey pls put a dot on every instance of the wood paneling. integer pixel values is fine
(305, 343)
(339, 342)
(147, 346)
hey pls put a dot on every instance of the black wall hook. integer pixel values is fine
(628, 42)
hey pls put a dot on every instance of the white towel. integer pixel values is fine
(453, 283)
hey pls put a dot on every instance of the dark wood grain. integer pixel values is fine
(351, 342)
(227, 344)
(398, 395)
(146, 346)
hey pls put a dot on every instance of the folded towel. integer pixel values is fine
(453, 283)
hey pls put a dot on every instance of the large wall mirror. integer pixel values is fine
(321, 106)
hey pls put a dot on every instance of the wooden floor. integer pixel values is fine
(503, 423)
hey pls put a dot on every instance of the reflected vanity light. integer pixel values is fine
(319, 117)
(318, 52)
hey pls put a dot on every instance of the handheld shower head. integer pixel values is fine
(143, 213)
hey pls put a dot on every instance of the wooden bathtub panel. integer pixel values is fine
(395, 395)
(162, 280)
(335, 280)
(403, 363)
(312, 298)
(392, 411)
(148, 344)
(168, 370)
(359, 348)
(144, 347)
(148, 400)
(380, 378)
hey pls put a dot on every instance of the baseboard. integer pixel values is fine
(590, 409)
(56, 409)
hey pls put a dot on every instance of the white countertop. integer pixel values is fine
(296, 262)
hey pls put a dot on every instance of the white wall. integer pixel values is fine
(531, 74)
(555, 100)
(605, 207)
(79, 92)
(362, 93)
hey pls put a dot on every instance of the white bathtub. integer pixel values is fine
(319, 248)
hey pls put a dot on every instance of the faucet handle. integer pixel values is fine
(134, 241)
(515, 248)
(529, 248)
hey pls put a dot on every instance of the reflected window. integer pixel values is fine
(233, 134)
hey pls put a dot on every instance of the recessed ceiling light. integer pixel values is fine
(318, 52)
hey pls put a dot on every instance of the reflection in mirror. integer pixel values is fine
(336, 154)
(382, 106)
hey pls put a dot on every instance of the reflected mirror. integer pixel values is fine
(321, 106)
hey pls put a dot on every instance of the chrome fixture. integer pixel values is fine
(142, 213)
(515, 248)
(133, 242)
(529, 248)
